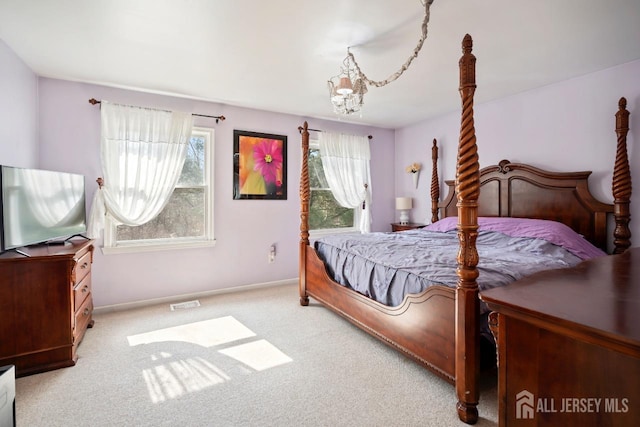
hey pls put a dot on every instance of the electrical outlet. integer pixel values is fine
(272, 253)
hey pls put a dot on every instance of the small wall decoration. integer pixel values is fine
(259, 165)
(414, 170)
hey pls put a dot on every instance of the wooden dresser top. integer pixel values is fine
(599, 297)
(69, 249)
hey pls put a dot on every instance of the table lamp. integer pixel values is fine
(403, 204)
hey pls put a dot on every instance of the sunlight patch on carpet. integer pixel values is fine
(259, 355)
(173, 377)
(180, 377)
(207, 333)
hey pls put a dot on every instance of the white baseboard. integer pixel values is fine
(183, 297)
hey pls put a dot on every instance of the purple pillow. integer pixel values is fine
(551, 231)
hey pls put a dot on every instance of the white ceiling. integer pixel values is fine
(278, 54)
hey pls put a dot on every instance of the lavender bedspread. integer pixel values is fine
(387, 266)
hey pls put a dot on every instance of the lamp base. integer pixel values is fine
(404, 217)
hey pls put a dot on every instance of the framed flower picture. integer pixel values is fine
(259, 165)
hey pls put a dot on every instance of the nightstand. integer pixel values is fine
(410, 226)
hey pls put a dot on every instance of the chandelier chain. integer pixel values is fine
(406, 65)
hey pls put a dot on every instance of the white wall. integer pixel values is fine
(244, 229)
(18, 111)
(568, 126)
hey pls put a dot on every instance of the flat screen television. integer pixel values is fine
(40, 206)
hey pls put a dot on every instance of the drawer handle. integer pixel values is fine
(83, 266)
(86, 311)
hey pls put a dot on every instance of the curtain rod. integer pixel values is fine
(94, 101)
(300, 128)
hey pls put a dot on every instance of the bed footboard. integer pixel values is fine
(421, 327)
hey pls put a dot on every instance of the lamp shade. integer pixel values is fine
(403, 203)
(345, 87)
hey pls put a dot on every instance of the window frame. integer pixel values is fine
(321, 232)
(112, 246)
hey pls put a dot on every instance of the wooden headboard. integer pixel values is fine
(523, 191)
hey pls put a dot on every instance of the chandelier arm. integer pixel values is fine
(406, 65)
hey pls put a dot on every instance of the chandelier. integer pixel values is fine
(347, 89)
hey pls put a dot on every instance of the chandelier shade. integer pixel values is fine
(347, 89)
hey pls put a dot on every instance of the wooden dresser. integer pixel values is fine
(45, 305)
(569, 345)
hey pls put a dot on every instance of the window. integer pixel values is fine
(325, 214)
(187, 219)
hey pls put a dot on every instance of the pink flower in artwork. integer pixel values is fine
(267, 155)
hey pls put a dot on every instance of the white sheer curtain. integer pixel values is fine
(143, 152)
(345, 160)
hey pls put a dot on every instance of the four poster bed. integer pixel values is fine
(439, 327)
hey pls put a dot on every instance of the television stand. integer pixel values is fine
(76, 235)
(18, 251)
(46, 305)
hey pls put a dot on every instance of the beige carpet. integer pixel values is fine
(249, 358)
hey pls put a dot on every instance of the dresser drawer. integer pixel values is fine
(81, 291)
(82, 267)
(83, 318)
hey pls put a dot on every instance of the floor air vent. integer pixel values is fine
(183, 305)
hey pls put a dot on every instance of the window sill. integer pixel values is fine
(155, 247)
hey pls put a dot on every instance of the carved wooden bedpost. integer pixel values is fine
(304, 215)
(468, 190)
(621, 182)
(435, 182)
